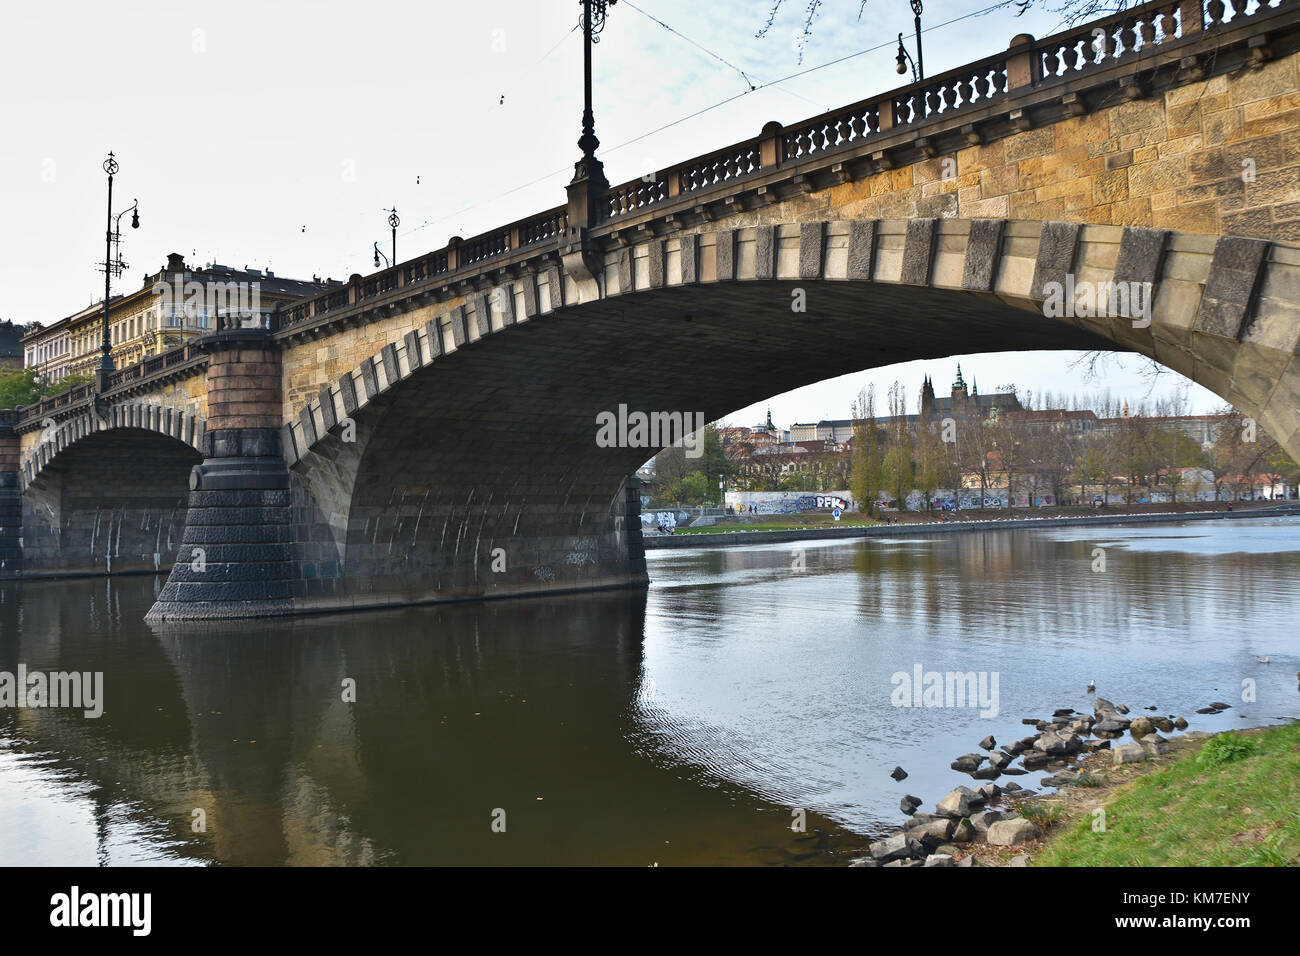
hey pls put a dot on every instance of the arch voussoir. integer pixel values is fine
(173, 423)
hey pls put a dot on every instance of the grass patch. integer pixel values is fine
(1225, 748)
(1232, 804)
(1043, 814)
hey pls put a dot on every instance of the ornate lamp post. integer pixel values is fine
(113, 266)
(918, 65)
(393, 223)
(920, 56)
(588, 171)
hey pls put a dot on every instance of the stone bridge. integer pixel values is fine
(429, 432)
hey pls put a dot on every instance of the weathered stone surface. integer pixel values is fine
(810, 250)
(886, 851)
(1141, 252)
(1231, 287)
(725, 251)
(1012, 831)
(1129, 753)
(764, 252)
(1154, 745)
(1056, 247)
(955, 804)
(927, 836)
(968, 763)
(861, 248)
(983, 819)
(690, 252)
(918, 251)
(983, 252)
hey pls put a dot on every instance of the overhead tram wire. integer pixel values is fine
(811, 69)
(725, 62)
(708, 109)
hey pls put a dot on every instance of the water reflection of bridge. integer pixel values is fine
(460, 709)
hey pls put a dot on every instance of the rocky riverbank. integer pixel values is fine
(993, 824)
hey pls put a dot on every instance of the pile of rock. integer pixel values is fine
(1064, 737)
(962, 817)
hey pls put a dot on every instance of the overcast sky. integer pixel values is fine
(273, 133)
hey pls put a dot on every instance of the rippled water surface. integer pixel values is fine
(680, 726)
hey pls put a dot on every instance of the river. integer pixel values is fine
(749, 690)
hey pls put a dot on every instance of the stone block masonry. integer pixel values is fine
(236, 554)
(11, 505)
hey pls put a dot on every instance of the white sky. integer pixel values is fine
(273, 133)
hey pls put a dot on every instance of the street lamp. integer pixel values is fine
(920, 55)
(918, 66)
(588, 174)
(113, 265)
(902, 60)
(593, 22)
(388, 263)
(393, 223)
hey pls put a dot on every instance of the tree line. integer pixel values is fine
(1138, 452)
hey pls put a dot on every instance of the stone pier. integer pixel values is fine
(11, 503)
(236, 553)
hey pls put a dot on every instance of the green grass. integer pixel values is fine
(1041, 813)
(1240, 806)
(1225, 748)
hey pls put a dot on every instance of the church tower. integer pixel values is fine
(927, 399)
(959, 393)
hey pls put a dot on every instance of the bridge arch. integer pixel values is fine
(108, 493)
(55, 439)
(476, 432)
